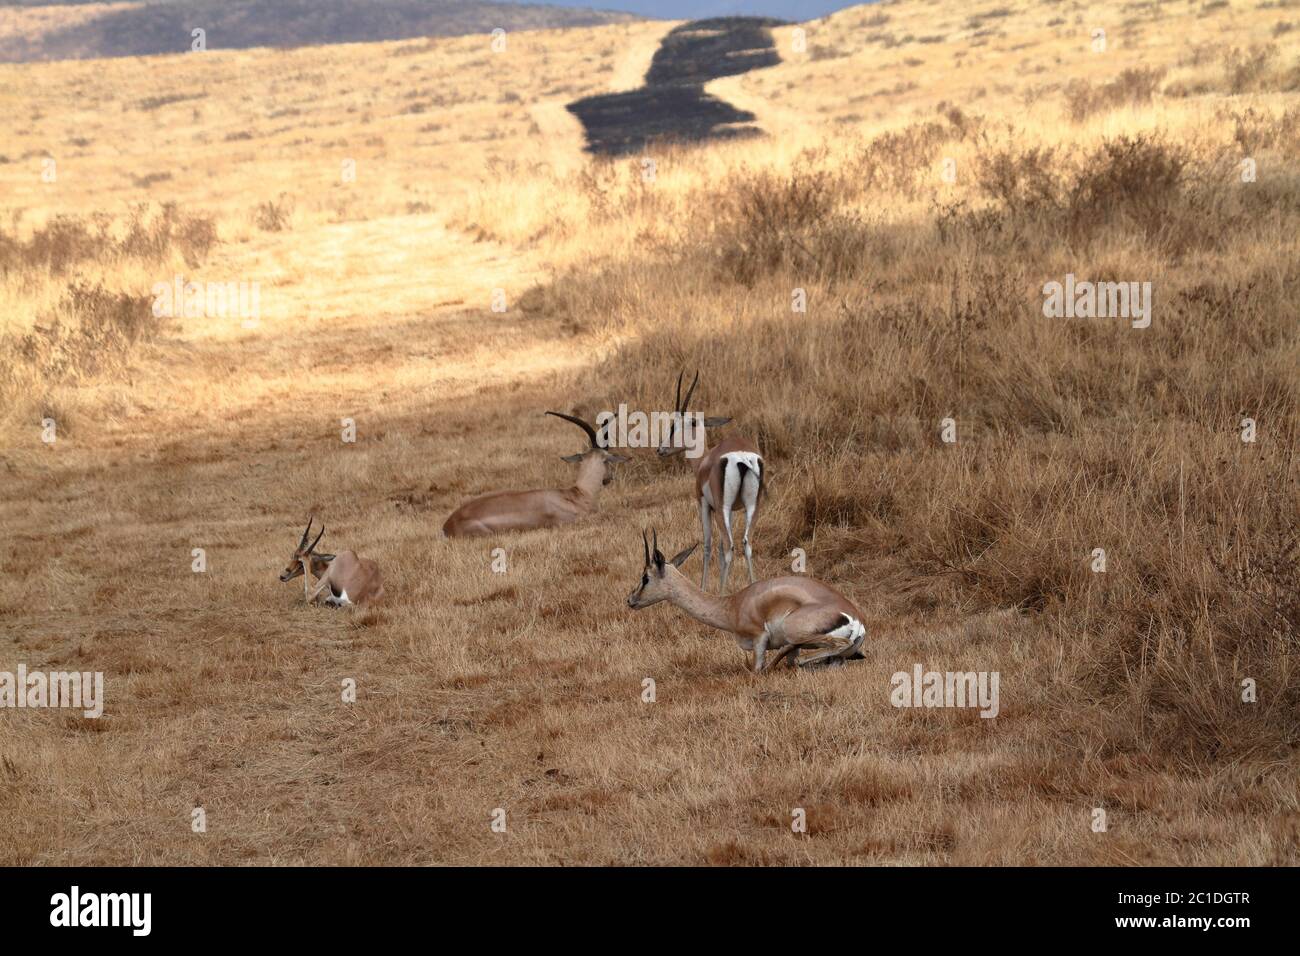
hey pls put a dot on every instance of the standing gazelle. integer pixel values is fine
(784, 615)
(544, 508)
(350, 579)
(728, 476)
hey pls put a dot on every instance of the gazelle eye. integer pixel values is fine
(645, 579)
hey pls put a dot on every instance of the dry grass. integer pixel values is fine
(523, 690)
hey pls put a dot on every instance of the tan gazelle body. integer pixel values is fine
(784, 615)
(728, 477)
(501, 511)
(350, 579)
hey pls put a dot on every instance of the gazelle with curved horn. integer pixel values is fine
(350, 579)
(544, 508)
(729, 476)
(784, 615)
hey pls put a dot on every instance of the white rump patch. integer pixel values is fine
(731, 487)
(851, 629)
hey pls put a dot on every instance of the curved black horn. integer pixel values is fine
(591, 432)
(657, 555)
(646, 545)
(689, 393)
(317, 541)
(677, 400)
(306, 531)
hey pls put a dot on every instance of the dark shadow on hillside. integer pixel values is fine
(672, 106)
(622, 123)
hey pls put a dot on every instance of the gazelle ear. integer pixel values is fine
(711, 422)
(571, 459)
(617, 458)
(327, 558)
(680, 558)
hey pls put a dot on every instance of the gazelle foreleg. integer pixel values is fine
(760, 650)
(321, 584)
(706, 529)
(775, 628)
(789, 653)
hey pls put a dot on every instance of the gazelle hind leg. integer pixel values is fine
(749, 493)
(731, 482)
(835, 647)
(843, 643)
(726, 548)
(706, 529)
(824, 633)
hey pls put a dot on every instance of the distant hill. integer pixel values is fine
(51, 31)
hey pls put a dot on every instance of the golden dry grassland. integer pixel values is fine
(926, 168)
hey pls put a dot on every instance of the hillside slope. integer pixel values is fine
(90, 31)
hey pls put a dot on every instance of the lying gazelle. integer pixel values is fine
(350, 580)
(544, 508)
(727, 477)
(784, 615)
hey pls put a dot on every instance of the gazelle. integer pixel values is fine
(544, 508)
(728, 476)
(350, 579)
(784, 615)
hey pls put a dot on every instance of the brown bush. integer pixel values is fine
(761, 224)
(274, 214)
(91, 329)
(1132, 87)
(65, 241)
(1136, 179)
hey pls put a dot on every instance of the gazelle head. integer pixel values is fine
(658, 575)
(675, 443)
(305, 550)
(595, 459)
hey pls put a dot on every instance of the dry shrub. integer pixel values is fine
(764, 222)
(92, 329)
(152, 239)
(65, 241)
(1139, 185)
(1131, 88)
(1251, 70)
(1022, 181)
(1255, 130)
(899, 160)
(1137, 179)
(1246, 71)
(613, 189)
(274, 215)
